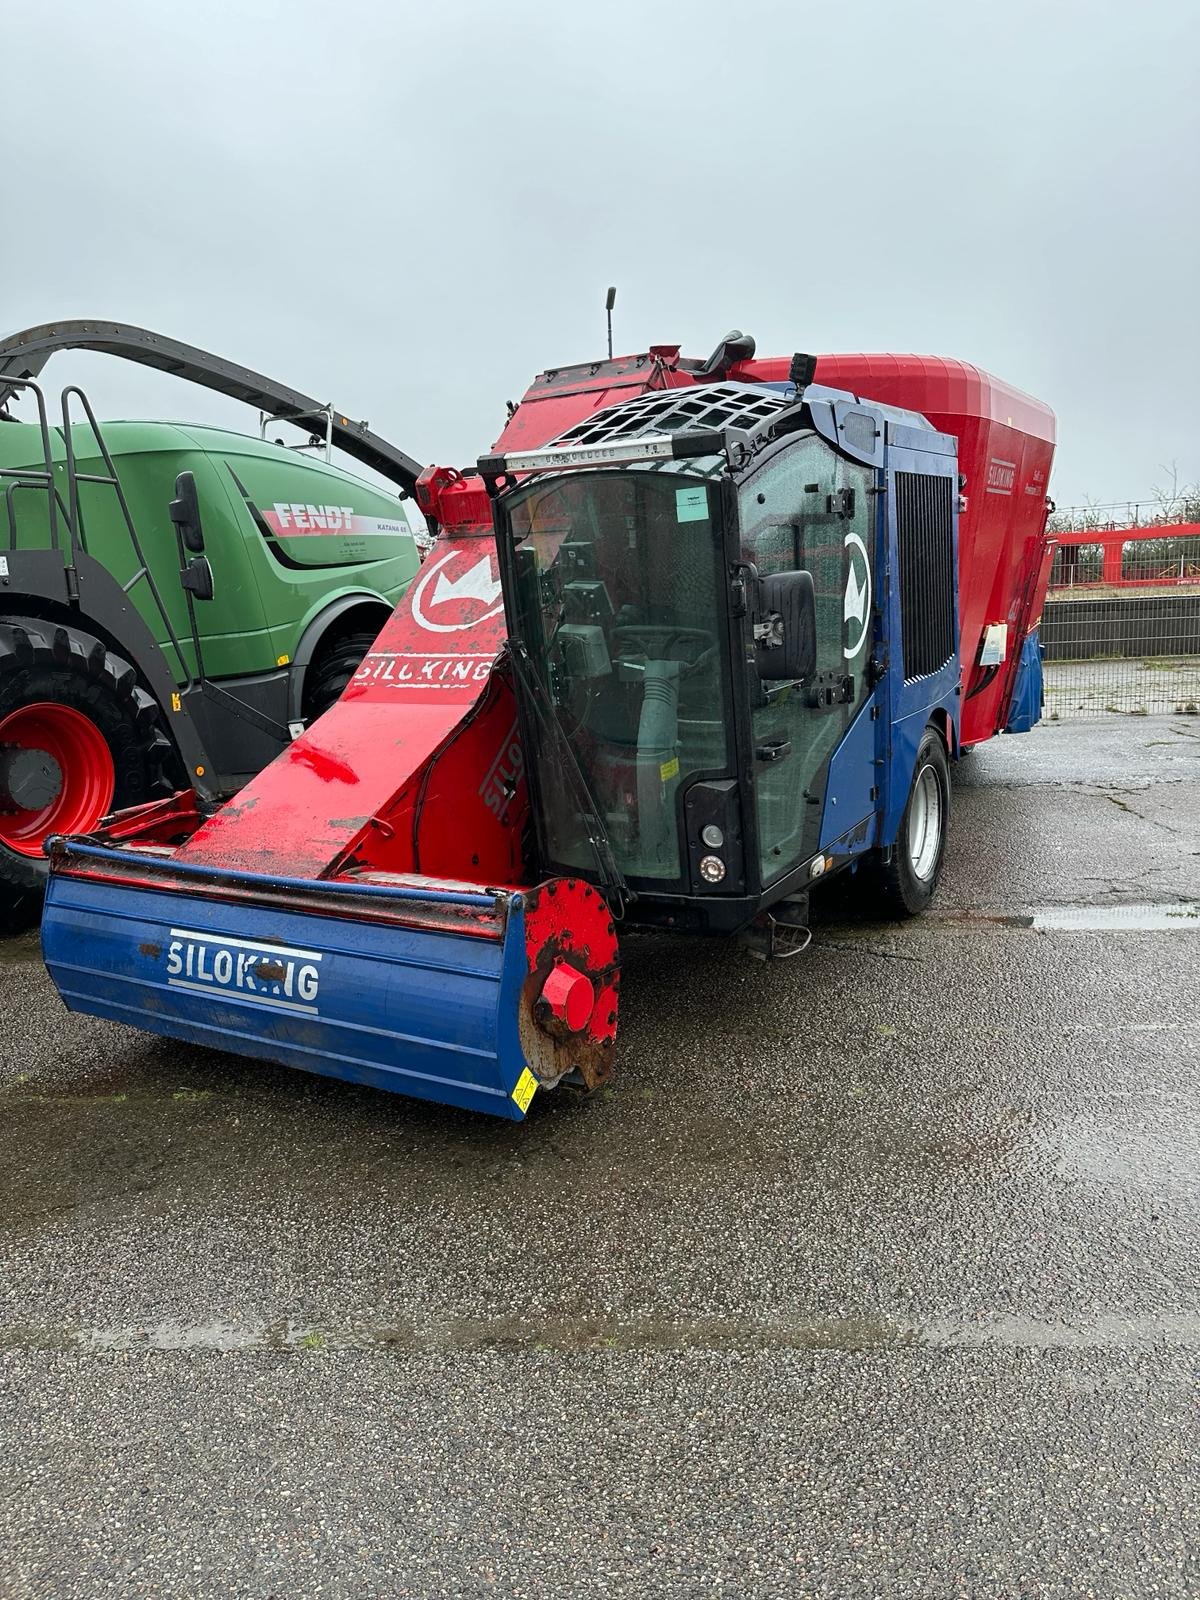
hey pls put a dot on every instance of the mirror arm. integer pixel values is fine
(743, 584)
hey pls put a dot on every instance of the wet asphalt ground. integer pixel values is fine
(875, 1274)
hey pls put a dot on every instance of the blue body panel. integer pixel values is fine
(871, 770)
(852, 782)
(908, 705)
(1026, 706)
(418, 1010)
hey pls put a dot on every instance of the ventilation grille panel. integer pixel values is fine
(925, 536)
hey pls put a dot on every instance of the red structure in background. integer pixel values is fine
(1115, 558)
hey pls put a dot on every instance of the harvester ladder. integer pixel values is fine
(71, 512)
(31, 478)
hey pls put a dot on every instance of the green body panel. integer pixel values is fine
(275, 528)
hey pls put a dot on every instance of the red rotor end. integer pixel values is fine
(570, 997)
(568, 1017)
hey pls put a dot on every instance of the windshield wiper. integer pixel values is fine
(612, 879)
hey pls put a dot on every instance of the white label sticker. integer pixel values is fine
(3, 566)
(995, 644)
(691, 505)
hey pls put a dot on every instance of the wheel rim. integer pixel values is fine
(74, 743)
(925, 823)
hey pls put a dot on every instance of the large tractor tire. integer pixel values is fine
(78, 739)
(907, 881)
(332, 670)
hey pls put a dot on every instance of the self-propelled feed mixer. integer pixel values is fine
(694, 638)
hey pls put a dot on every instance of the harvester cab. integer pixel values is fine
(695, 638)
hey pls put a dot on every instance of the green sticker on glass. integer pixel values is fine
(691, 505)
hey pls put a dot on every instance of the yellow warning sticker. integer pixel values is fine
(669, 769)
(176, 703)
(523, 1093)
(281, 661)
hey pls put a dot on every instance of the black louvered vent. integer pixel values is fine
(925, 533)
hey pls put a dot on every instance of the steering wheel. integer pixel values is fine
(664, 636)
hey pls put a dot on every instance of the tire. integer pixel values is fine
(78, 739)
(335, 665)
(907, 880)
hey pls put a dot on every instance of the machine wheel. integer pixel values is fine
(908, 880)
(329, 674)
(78, 738)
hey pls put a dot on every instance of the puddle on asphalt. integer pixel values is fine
(862, 1334)
(1127, 1157)
(1179, 917)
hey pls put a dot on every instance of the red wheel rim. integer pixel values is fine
(85, 761)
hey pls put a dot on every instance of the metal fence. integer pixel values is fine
(1121, 626)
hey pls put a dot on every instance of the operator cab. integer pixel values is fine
(691, 621)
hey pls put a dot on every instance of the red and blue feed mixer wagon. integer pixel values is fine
(696, 637)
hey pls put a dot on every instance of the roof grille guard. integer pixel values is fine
(710, 406)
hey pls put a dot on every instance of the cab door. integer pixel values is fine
(807, 508)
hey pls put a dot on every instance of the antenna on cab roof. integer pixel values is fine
(610, 301)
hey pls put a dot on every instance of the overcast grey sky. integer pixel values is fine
(411, 208)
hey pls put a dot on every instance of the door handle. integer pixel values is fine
(830, 691)
(773, 750)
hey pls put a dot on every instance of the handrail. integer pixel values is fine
(74, 478)
(1132, 534)
(30, 478)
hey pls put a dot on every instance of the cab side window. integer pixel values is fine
(807, 509)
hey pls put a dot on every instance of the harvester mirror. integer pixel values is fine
(785, 627)
(185, 512)
(197, 578)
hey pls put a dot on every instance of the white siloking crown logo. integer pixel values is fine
(856, 606)
(475, 594)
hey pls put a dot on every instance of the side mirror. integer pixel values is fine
(785, 627)
(185, 512)
(197, 578)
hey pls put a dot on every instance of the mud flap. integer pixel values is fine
(434, 994)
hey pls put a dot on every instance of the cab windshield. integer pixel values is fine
(617, 578)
